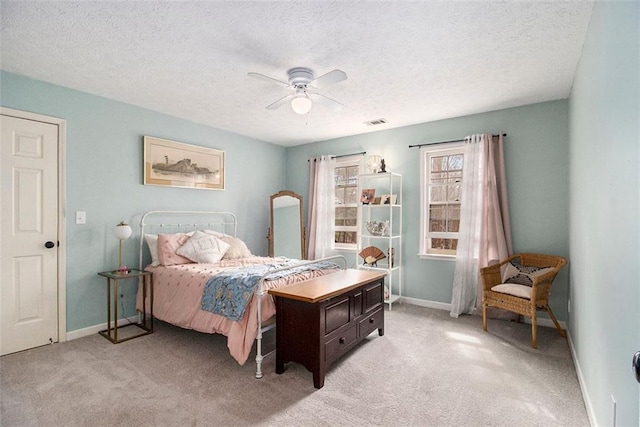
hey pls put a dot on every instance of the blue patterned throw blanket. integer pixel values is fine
(228, 293)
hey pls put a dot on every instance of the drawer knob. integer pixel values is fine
(372, 320)
(341, 340)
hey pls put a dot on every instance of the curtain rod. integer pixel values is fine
(362, 153)
(445, 142)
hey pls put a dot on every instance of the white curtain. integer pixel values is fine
(465, 278)
(484, 235)
(321, 217)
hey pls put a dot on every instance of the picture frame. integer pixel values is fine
(388, 199)
(176, 164)
(367, 196)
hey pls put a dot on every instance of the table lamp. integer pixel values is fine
(122, 232)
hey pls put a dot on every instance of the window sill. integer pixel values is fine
(435, 257)
(343, 249)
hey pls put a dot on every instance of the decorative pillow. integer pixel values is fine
(520, 291)
(152, 244)
(203, 248)
(523, 274)
(215, 233)
(238, 248)
(168, 244)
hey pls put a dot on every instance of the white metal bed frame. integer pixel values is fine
(223, 222)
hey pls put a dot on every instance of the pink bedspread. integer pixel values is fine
(177, 293)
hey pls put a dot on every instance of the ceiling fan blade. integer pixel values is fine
(268, 79)
(332, 77)
(326, 102)
(279, 103)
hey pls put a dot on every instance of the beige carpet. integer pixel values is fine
(428, 370)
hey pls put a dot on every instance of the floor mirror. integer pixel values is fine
(286, 232)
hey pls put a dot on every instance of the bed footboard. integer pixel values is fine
(260, 293)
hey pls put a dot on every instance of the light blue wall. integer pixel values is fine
(104, 178)
(536, 152)
(605, 211)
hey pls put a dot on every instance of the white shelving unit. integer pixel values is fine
(390, 214)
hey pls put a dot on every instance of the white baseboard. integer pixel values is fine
(85, 332)
(583, 388)
(547, 323)
(544, 322)
(426, 303)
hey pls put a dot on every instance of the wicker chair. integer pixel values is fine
(519, 298)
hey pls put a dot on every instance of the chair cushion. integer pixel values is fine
(522, 274)
(520, 291)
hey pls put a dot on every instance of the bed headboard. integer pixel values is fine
(156, 222)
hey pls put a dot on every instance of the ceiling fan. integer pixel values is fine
(305, 89)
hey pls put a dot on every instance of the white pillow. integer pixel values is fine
(203, 248)
(215, 233)
(238, 248)
(152, 244)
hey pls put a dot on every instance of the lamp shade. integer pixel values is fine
(122, 231)
(301, 103)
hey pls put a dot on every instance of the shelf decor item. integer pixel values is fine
(374, 163)
(371, 255)
(378, 228)
(368, 196)
(388, 199)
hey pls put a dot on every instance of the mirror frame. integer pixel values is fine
(270, 236)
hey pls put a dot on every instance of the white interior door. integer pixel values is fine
(28, 234)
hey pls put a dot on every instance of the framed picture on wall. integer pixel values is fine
(176, 164)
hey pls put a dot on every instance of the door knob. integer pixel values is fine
(49, 244)
(636, 365)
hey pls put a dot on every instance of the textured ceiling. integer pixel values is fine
(407, 62)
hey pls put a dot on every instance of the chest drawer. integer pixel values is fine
(337, 314)
(373, 296)
(371, 322)
(335, 347)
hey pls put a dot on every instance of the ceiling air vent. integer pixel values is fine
(376, 122)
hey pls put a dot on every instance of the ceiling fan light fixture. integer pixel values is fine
(301, 104)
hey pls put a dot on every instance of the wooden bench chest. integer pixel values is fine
(319, 320)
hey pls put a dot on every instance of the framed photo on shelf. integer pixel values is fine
(176, 164)
(368, 195)
(388, 199)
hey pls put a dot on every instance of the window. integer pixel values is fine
(441, 187)
(346, 203)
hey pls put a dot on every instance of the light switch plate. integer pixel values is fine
(81, 217)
